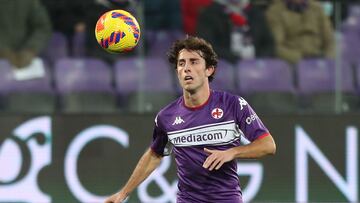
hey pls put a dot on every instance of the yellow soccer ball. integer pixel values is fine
(117, 31)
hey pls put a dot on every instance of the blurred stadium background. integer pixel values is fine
(75, 134)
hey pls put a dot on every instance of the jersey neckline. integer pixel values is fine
(200, 106)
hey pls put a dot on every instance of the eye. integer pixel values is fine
(194, 62)
(181, 63)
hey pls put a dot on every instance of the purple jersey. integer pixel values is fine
(223, 122)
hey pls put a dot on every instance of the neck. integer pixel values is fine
(196, 99)
(297, 6)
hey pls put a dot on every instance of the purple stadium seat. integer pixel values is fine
(159, 42)
(6, 76)
(263, 75)
(156, 75)
(350, 30)
(350, 45)
(318, 75)
(152, 83)
(57, 48)
(85, 85)
(224, 77)
(268, 85)
(78, 45)
(9, 84)
(82, 75)
(317, 85)
(35, 95)
(127, 76)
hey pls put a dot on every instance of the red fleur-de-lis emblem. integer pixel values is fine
(217, 113)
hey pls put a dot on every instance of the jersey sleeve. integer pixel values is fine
(248, 121)
(160, 143)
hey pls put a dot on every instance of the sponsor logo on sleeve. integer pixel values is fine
(251, 118)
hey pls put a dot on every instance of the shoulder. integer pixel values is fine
(226, 97)
(171, 107)
(315, 4)
(238, 103)
(223, 94)
(315, 7)
(167, 112)
(276, 6)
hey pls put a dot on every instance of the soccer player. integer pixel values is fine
(207, 131)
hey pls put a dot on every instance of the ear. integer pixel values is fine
(210, 70)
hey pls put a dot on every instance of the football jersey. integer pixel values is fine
(222, 122)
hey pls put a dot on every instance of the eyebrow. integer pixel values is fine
(191, 59)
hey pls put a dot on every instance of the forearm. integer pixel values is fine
(146, 165)
(291, 55)
(257, 149)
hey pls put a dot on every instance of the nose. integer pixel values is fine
(187, 67)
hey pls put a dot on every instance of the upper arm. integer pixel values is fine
(267, 143)
(160, 143)
(248, 121)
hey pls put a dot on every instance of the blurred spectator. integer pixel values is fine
(79, 14)
(259, 31)
(67, 11)
(25, 30)
(216, 24)
(162, 19)
(162, 14)
(237, 29)
(190, 10)
(301, 30)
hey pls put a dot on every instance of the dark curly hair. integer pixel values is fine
(194, 44)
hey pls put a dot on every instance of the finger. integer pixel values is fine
(214, 164)
(219, 165)
(208, 150)
(208, 161)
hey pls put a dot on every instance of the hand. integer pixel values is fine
(118, 197)
(217, 158)
(24, 58)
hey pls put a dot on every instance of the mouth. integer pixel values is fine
(188, 78)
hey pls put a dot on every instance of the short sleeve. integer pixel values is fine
(160, 143)
(248, 121)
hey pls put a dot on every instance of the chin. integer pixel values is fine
(189, 89)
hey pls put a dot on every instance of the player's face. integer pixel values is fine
(192, 72)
